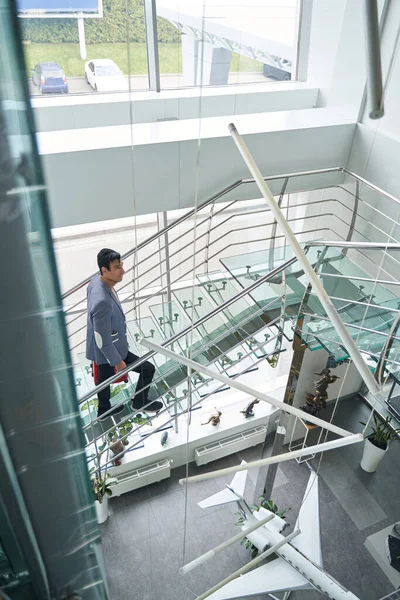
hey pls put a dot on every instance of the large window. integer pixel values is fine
(104, 52)
(199, 43)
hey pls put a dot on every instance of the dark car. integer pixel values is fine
(50, 78)
(276, 73)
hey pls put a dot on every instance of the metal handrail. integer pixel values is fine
(218, 309)
(213, 342)
(363, 245)
(351, 325)
(223, 193)
(199, 387)
(358, 278)
(160, 427)
(159, 233)
(161, 289)
(189, 328)
(224, 209)
(361, 350)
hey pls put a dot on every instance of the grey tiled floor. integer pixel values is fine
(144, 540)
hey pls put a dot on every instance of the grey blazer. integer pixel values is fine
(106, 338)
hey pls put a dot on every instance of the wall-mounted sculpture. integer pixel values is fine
(317, 401)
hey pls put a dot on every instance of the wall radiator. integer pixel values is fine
(141, 477)
(230, 445)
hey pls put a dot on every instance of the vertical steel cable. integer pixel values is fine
(196, 198)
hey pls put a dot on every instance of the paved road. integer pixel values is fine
(78, 85)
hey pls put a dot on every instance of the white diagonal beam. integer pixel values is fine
(244, 388)
(250, 565)
(318, 288)
(211, 553)
(344, 441)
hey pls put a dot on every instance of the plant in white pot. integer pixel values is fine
(377, 443)
(101, 483)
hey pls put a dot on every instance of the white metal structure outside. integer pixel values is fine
(257, 29)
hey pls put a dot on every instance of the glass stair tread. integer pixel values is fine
(170, 319)
(81, 383)
(368, 317)
(178, 400)
(260, 262)
(365, 340)
(86, 370)
(220, 289)
(340, 264)
(236, 362)
(220, 327)
(146, 328)
(201, 307)
(247, 268)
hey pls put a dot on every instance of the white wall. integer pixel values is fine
(326, 27)
(376, 145)
(91, 110)
(337, 52)
(113, 183)
(375, 148)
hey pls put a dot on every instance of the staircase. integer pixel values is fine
(242, 309)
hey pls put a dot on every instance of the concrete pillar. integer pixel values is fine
(190, 52)
(215, 67)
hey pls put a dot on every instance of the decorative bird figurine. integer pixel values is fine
(248, 412)
(214, 419)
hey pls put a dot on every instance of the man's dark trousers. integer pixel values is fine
(146, 373)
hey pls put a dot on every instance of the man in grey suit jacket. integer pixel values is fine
(106, 338)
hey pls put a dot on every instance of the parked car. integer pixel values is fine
(50, 78)
(105, 76)
(276, 73)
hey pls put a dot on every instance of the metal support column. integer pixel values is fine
(319, 290)
(153, 65)
(304, 18)
(165, 274)
(82, 40)
(373, 60)
(267, 475)
(353, 217)
(275, 224)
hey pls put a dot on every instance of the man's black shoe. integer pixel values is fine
(155, 406)
(103, 414)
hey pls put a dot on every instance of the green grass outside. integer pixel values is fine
(67, 55)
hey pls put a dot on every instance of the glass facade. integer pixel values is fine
(49, 537)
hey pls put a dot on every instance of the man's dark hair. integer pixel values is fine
(105, 257)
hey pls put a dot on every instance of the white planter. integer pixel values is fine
(371, 457)
(102, 509)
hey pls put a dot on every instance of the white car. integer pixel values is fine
(105, 76)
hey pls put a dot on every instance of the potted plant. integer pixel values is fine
(115, 444)
(101, 485)
(124, 429)
(377, 443)
(269, 505)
